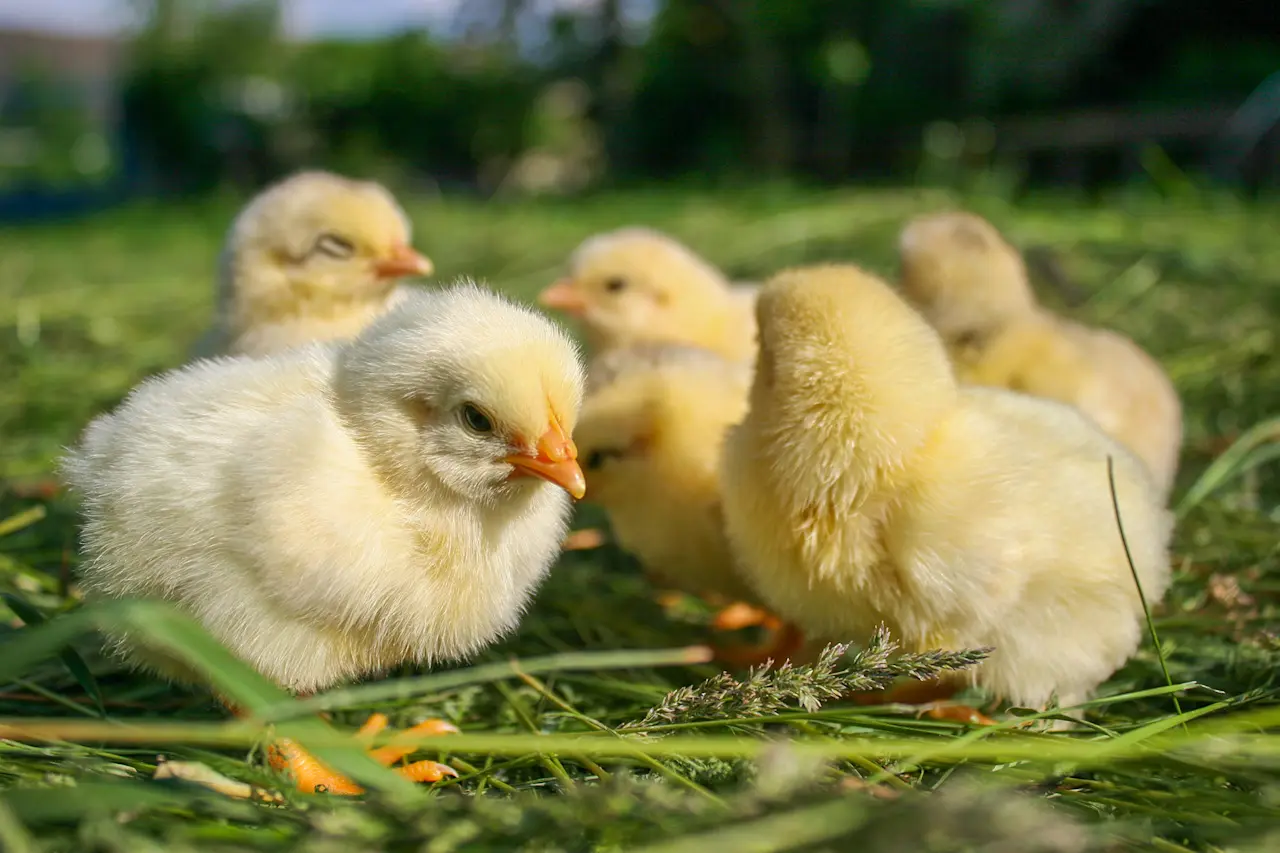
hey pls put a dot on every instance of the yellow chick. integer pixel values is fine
(650, 436)
(343, 508)
(315, 257)
(650, 441)
(638, 286)
(863, 487)
(972, 286)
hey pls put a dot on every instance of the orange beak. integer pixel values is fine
(555, 459)
(402, 261)
(563, 296)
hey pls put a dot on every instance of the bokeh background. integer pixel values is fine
(106, 99)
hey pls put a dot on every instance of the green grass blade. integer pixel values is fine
(405, 688)
(165, 628)
(1256, 446)
(22, 520)
(70, 658)
(1142, 595)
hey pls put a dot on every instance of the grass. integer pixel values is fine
(596, 727)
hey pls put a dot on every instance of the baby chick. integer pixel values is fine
(972, 286)
(314, 257)
(650, 440)
(636, 286)
(339, 509)
(863, 487)
(650, 436)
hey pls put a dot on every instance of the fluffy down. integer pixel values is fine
(972, 286)
(863, 486)
(638, 286)
(315, 257)
(650, 437)
(333, 511)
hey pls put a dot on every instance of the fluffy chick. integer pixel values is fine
(315, 257)
(650, 441)
(972, 286)
(863, 487)
(650, 435)
(339, 509)
(637, 286)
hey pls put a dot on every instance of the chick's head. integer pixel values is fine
(316, 243)
(463, 391)
(847, 373)
(636, 285)
(963, 276)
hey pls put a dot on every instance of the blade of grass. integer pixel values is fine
(22, 520)
(71, 659)
(1146, 608)
(14, 837)
(797, 828)
(406, 688)
(163, 627)
(1008, 748)
(1247, 452)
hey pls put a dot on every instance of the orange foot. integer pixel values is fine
(583, 540)
(786, 642)
(286, 755)
(959, 714)
(929, 693)
(741, 615)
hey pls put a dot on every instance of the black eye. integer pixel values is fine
(475, 419)
(595, 460)
(615, 285)
(335, 246)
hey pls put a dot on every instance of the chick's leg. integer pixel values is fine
(785, 643)
(934, 694)
(741, 615)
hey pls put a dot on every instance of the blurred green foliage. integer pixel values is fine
(214, 93)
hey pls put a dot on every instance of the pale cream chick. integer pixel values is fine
(343, 508)
(639, 286)
(863, 487)
(972, 286)
(315, 257)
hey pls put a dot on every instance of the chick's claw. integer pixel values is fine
(741, 615)
(426, 771)
(959, 714)
(286, 756)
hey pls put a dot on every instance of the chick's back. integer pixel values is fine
(1008, 529)
(202, 489)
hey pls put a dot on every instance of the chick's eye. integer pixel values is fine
(595, 460)
(476, 420)
(335, 246)
(615, 284)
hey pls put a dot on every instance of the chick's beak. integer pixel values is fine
(403, 260)
(554, 459)
(563, 296)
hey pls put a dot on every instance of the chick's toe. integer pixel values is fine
(286, 756)
(785, 643)
(741, 615)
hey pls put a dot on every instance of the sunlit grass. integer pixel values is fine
(1187, 763)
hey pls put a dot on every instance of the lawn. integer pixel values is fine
(572, 739)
